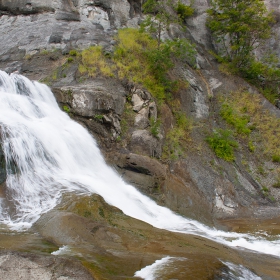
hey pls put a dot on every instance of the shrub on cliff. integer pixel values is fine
(162, 13)
(249, 118)
(239, 27)
(138, 59)
(222, 144)
(184, 11)
(94, 62)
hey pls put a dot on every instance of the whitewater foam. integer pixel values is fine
(48, 154)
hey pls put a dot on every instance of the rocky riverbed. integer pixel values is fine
(112, 245)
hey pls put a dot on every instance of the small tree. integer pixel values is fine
(239, 26)
(184, 11)
(162, 13)
(158, 19)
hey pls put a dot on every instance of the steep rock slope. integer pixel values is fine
(35, 33)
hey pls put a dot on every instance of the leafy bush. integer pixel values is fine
(222, 144)
(155, 127)
(73, 52)
(265, 191)
(133, 63)
(98, 117)
(276, 184)
(236, 119)
(70, 59)
(139, 59)
(158, 18)
(239, 27)
(251, 146)
(276, 158)
(184, 11)
(66, 109)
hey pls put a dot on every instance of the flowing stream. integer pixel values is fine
(48, 154)
(158, 268)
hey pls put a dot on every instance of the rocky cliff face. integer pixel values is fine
(36, 33)
(28, 27)
(35, 37)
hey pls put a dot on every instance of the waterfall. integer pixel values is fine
(48, 154)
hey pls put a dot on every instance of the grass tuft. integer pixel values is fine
(222, 144)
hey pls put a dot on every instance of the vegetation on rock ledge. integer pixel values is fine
(245, 113)
(239, 28)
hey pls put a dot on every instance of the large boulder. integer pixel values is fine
(28, 266)
(93, 98)
(98, 104)
(145, 173)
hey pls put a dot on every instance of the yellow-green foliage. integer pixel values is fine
(250, 115)
(222, 144)
(139, 59)
(173, 147)
(132, 62)
(179, 135)
(94, 62)
(240, 120)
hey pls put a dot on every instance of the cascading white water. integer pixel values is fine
(47, 154)
(158, 268)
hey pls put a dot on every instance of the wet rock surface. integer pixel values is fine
(3, 174)
(119, 243)
(112, 245)
(28, 266)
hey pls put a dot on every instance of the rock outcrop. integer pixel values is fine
(15, 265)
(38, 26)
(97, 102)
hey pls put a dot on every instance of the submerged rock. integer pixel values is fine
(111, 241)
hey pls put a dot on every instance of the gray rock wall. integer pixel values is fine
(28, 27)
(201, 34)
(3, 174)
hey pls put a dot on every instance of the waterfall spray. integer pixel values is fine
(48, 154)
